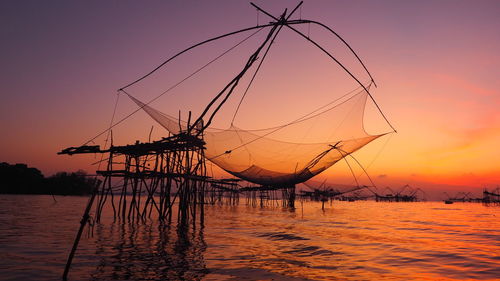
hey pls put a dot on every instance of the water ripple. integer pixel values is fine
(347, 241)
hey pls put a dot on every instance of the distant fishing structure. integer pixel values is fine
(160, 179)
(490, 197)
(404, 194)
(326, 193)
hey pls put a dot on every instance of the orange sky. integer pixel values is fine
(436, 65)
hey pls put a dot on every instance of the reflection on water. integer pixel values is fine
(128, 251)
(347, 241)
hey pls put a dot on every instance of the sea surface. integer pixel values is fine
(345, 241)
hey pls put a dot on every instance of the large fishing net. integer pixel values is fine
(284, 155)
(287, 154)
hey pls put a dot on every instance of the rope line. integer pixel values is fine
(256, 71)
(361, 166)
(275, 129)
(109, 131)
(192, 47)
(305, 117)
(331, 56)
(172, 87)
(346, 70)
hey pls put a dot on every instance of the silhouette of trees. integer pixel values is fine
(21, 179)
(64, 183)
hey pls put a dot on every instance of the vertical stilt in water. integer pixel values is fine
(83, 222)
(289, 196)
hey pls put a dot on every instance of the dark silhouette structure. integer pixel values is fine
(168, 177)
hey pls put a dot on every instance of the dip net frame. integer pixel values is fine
(156, 174)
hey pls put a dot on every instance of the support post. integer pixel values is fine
(83, 222)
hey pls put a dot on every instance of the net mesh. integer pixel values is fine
(288, 154)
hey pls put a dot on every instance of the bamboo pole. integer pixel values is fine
(83, 222)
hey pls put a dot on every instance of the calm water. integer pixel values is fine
(347, 241)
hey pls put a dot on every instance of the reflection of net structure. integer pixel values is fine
(282, 155)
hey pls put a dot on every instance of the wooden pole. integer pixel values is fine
(83, 222)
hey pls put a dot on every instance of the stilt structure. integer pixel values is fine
(404, 194)
(326, 194)
(153, 176)
(262, 196)
(224, 191)
(491, 197)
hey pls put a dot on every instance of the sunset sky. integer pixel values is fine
(436, 64)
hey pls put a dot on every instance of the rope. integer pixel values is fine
(275, 129)
(255, 73)
(378, 154)
(366, 173)
(303, 118)
(194, 46)
(109, 131)
(171, 88)
(251, 60)
(348, 165)
(231, 86)
(348, 72)
(90, 220)
(361, 166)
(249, 142)
(239, 31)
(347, 45)
(380, 151)
(331, 56)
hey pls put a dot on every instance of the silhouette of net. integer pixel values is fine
(288, 154)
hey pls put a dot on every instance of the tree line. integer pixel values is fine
(21, 179)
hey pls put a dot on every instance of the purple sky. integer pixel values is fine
(436, 63)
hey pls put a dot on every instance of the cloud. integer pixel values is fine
(382, 176)
(489, 128)
(475, 118)
(461, 94)
(466, 85)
